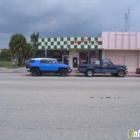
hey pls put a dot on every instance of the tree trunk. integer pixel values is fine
(19, 61)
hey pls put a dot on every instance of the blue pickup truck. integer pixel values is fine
(102, 66)
(38, 66)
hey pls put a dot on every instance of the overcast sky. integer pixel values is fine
(65, 18)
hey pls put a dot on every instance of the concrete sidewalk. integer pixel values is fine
(129, 74)
(22, 69)
(73, 73)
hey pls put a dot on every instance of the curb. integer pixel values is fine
(73, 73)
(131, 74)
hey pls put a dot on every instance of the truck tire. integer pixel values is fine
(89, 73)
(63, 72)
(121, 73)
(36, 72)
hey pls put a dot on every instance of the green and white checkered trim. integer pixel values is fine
(70, 42)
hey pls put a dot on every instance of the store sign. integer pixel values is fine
(85, 41)
(81, 41)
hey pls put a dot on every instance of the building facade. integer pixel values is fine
(71, 50)
(122, 48)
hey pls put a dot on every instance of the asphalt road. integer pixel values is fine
(68, 108)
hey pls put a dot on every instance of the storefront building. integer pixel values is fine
(71, 50)
(122, 48)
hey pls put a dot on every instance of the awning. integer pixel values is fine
(70, 43)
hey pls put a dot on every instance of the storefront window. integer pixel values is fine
(83, 57)
(55, 54)
(93, 56)
(88, 57)
(61, 55)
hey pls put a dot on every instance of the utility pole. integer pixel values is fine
(127, 20)
(46, 51)
(68, 46)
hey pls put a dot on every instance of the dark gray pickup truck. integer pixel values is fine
(102, 66)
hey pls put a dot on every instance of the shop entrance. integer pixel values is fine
(65, 59)
(74, 62)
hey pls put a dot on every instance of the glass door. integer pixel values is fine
(74, 61)
(65, 59)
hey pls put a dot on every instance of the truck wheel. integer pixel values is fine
(89, 73)
(120, 73)
(36, 72)
(63, 72)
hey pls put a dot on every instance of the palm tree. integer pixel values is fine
(29, 52)
(34, 39)
(17, 46)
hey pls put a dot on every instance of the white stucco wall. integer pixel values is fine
(73, 53)
(121, 40)
(130, 58)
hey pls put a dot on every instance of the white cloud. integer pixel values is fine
(54, 18)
